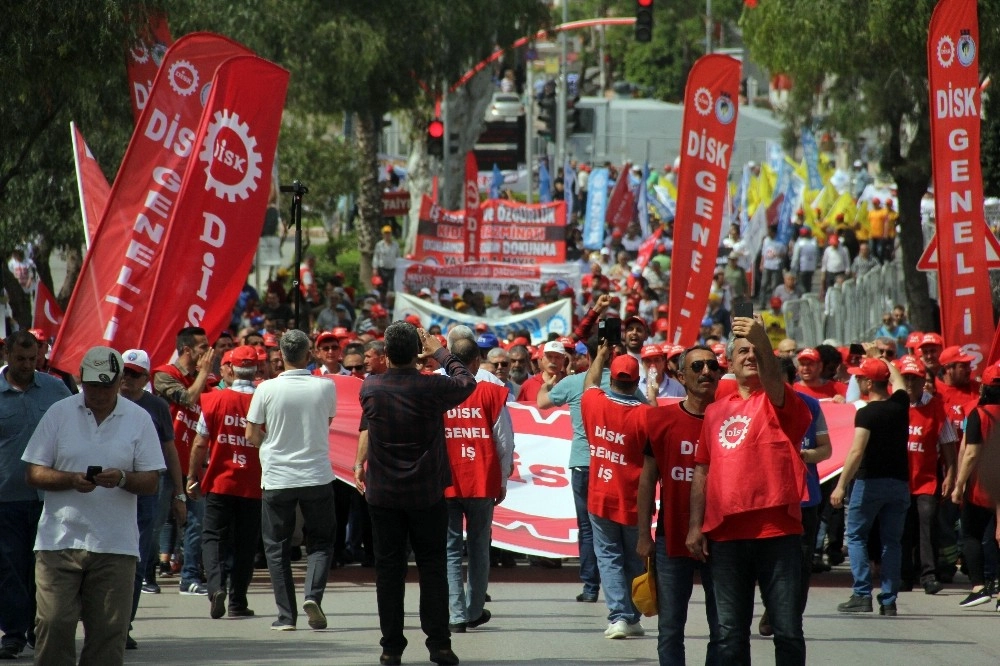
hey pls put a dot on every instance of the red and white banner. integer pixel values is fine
(621, 203)
(491, 278)
(955, 101)
(143, 62)
(48, 314)
(516, 233)
(646, 249)
(142, 201)
(470, 200)
(440, 234)
(91, 183)
(395, 203)
(710, 111)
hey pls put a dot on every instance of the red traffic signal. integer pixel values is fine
(645, 3)
(435, 129)
(643, 20)
(435, 138)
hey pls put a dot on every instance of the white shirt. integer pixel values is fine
(385, 255)
(835, 259)
(69, 439)
(295, 408)
(805, 255)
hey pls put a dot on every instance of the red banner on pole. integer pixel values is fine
(142, 200)
(621, 203)
(91, 183)
(955, 99)
(48, 314)
(710, 110)
(440, 234)
(516, 233)
(395, 203)
(470, 199)
(143, 62)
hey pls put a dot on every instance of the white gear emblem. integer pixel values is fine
(187, 86)
(222, 119)
(733, 431)
(140, 53)
(703, 101)
(945, 51)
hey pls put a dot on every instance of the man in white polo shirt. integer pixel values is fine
(295, 408)
(91, 453)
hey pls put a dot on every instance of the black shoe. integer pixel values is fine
(218, 605)
(487, 598)
(764, 628)
(587, 598)
(975, 599)
(240, 612)
(889, 610)
(835, 558)
(483, 619)
(259, 562)
(130, 643)
(856, 604)
(295, 553)
(390, 659)
(10, 651)
(906, 586)
(932, 586)
(444, 657)
(457, 628)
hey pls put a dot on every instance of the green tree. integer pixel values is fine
(870, 62)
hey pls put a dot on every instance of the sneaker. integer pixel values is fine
(240, 612)
(317, 619)
(932, 586)
(194, 589)
(587, 597)
(164, 569)
(856, 604)
(278, 625)
(150, 587)
(616, 630)
(483, 619)
(889, 610)
(218, 607)
(975, 599)
(634, 629)
(10, 651)
(457, 627)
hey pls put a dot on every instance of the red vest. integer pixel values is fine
(673, 436)
(754, 462)
(617, 435)
(925, 428)
(185, 418)
(468, 434)
(975, 493)
(233, 463)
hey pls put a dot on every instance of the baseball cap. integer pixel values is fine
(635, 320)
(328, 336)
(581, 348)
(487, 341)
(991, 375)
(554, 346)
(136, 359)
(227, 357)
(426, 292)
(775, 302)
(707, 321)
(662, 325)
(244, 356)
(387, 229)
(910, 365)
(673, 351)
(101, 365)
(913, 340)
(873, 369)
(931, 339)
(625, 368)
(569, 344)
(804, 231)
(340, 332)
(953, 354)
(379, 311)
(651, 351)
(413, 319)
(808, 354)
(270, 340)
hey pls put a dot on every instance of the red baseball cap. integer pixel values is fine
(625, 368)
(341, 333)
(675, 350)
(775, 302)
(913, 340)
(270, 340)
(243, 356)
(327, 336)
(809, 354)
(910, 365)
(413, 319)
(873, 369)
(379, 311)
(991, 375)
(931, 339)
(662, 325)
(635, 320)
(953, 354)
(651, 351)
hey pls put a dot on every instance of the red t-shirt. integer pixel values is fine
(468, 434)
(925, 430)
(673, 436)
(233, 462)
(756, 477)
(615, 428)
(185, 418)
(824, 391)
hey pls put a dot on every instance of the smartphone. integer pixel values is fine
(610, 329)
(743, 309)
(92, 471)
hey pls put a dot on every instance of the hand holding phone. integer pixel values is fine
(743, 309)
(92, 471)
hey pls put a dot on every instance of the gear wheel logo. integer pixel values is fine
(230, 152)
(703, 101)
(945, 51)
(183, 78)
(966, 49)
(139, 53)
(733, 431)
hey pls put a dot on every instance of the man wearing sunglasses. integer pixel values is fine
(328, 354)
(673, 431)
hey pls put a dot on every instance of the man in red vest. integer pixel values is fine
(181, 384)
(231, 487)
(749, 480)
(480, 443)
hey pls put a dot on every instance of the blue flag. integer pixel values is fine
(642, 202)
(544, 184)
(597, 205)
(811, 153)
(497, 182)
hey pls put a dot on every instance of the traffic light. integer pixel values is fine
(547, 114)
(643, 20)
(435, 138)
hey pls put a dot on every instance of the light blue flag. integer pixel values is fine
(741, 198)
(642, 203)
(597, 205)
(569, 187)
(497, 182)
(811, 153)
(664, 204)
(544, 184)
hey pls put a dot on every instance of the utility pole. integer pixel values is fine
(561, 96)
(708, 26)
(529, 121)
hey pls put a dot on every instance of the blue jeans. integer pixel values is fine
(674, 582)
(477, 514)
(145, 510)
(18, 523)
(191, 571)
(589, 573)
(614, 546)
(887, 500)
(776, 565)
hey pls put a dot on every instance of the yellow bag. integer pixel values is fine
(644, 590)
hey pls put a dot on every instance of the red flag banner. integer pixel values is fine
(395, 203)
(708, 130)
(143, 62)
(955, 99)
(92, 184)
(142, 201)
(470, 198)
(646, 249)
(621, 203)
(48, 314)
(516, 233)
(440, 234)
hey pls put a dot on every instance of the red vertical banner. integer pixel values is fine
(143, 62)
(48, 314)
(621, 202)
(440, 234)
(955, 99)
(470, 199)
(91, 183)
(708, 130)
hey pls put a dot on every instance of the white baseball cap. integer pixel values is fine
(101, 365)
(136, 359)
(554, 346)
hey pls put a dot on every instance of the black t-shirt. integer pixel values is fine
(973, 428)
(159, 411)
(888, 421)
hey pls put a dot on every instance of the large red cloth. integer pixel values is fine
(616, 431)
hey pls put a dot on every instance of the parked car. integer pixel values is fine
(504, 107)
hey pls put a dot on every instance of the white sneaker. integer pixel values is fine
(617, 630)
(634, 630)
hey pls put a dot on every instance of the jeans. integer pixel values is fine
(887, 500)
(164, 499)
(589, 573)
(277, 526)
(477, 514)
(145, 512)
(427, 529)
(232, 528)
(920, 529)
(614, 546)
(674, 582)
(18, 523)
(775, 564)
(810, 526)
(191, 571)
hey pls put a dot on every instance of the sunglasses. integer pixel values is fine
(698, 366)
(132, 374)
(355, 368)
(888, 353)
(502, 364)
(328, 348)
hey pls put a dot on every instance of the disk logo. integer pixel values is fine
(945, 51)
(183, 78)
(733, 431)
(230, 154)
(703, 101)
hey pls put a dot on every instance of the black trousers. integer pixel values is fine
(229, 537)
(920, 539)
(427, 531)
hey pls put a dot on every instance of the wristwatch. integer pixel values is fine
(121, 481)
(182, 497)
